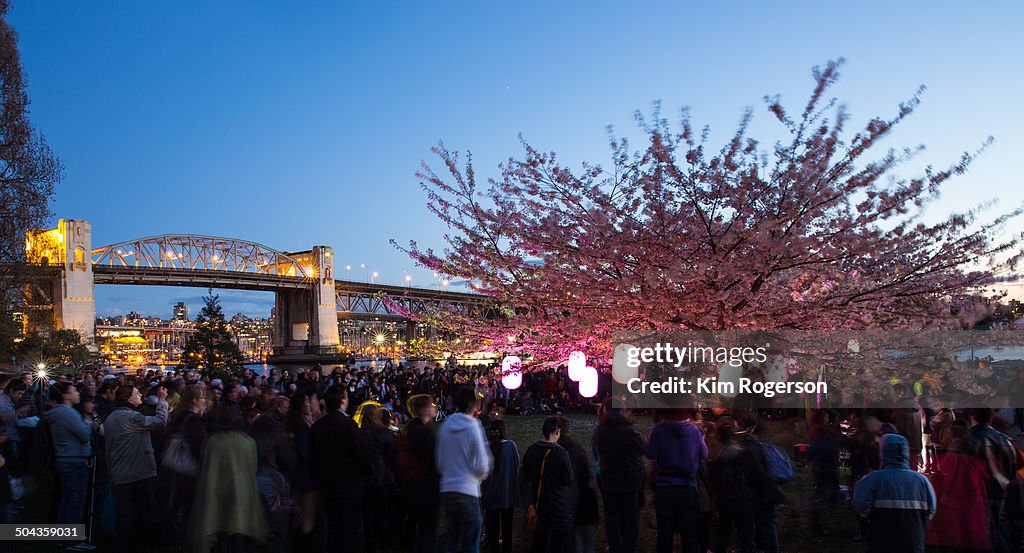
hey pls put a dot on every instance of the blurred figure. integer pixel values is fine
(303, 412)
(341, 463)
(584, 497)
(996, 450)
(500, 491)
(187, 435)
(417, 472)
(824, 457)
(228, 514)
(620, 451)
(72, 446)
(735, 475)
(378, 486)
(276, 494)
(959, 481)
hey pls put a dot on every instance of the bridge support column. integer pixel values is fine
(70, 247)
(324, 316)
(308, 319)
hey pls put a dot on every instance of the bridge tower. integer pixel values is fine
(69, 247)
(307, 320)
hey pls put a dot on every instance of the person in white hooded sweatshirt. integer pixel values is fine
(463, 462)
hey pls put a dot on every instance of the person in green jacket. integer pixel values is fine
(228, 512)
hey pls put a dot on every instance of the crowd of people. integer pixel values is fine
(421, 460)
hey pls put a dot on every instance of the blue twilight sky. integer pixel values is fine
(295, 124)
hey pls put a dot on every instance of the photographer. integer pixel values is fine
(132, 463)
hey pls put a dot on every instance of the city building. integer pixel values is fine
(180, 312)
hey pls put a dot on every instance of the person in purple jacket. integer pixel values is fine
(676, 447)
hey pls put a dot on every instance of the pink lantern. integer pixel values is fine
(512, 372)
(577, 364)
(588, 382)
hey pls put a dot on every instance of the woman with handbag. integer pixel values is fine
(547, 469)
(183, 454)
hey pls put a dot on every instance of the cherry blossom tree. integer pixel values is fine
(821, 230)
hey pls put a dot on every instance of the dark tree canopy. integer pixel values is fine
(29, 170)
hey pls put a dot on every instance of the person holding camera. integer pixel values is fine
(131, 462)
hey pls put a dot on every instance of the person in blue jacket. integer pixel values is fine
(897, 501)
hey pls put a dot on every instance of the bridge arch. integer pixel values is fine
(197, 253)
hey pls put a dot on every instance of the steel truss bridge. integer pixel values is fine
(63, 268)
(212, 262)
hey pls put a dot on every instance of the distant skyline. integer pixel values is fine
(294, 126)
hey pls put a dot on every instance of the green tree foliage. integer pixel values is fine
(212, 349)
(67, 352)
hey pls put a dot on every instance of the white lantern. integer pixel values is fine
(577, 364)
(621, 371)
(512, 372)
(588, 382)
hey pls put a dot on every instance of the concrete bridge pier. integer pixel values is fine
(307, 320)
(69, 247)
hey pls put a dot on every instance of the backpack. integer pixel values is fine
(407, 467)
(777, 465)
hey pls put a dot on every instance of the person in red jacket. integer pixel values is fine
(960, 478)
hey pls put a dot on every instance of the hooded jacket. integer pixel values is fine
(897, 501)
(463, 458)
(72, 436)
(677, 448)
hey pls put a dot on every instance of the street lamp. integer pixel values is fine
(363, 267)
(408, 279)
(348, 272)
(375, 275)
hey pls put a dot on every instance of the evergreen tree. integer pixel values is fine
(212, 349)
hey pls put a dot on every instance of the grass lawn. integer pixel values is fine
(794, 518)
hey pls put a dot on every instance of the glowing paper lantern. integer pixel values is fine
(588, 382)
(577, 364)
(621, 371)
(512, 372)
